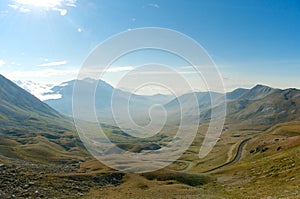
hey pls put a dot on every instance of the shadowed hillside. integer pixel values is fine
(32, 130)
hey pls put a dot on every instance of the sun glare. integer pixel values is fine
(40, 3)
(54, 5)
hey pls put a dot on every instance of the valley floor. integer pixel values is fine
(273, 177)
(265, 166)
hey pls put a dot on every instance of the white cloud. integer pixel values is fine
(19, 7)
(154, 5)
(55, 76)
(41, 73)
(13, 6)
(151, 72)
(45, 76)
(2, 62)
(91, 72)
(58, 63)
(39, 90)
(41, 3)
(70, 3)
(187, 67)
(94, 72)
(79, 30)
(119, 69)
(197, 67)
(54, 5)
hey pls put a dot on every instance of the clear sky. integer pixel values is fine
(250, 41)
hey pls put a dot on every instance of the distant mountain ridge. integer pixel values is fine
(268, 107)
(260, 104)
(104, 91)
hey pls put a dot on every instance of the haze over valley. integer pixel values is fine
(149, 99)
(265, 118)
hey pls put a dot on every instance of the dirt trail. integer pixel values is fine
(234, 160)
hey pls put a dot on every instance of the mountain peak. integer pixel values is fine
(258, 92)
(89, 80)
(260, 86)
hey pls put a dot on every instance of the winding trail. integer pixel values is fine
(234, 160)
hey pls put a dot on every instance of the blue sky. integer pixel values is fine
(250, 41)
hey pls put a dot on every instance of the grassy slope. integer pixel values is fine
(43, 147)
(32, 130)
(272, 170)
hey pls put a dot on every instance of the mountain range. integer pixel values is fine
(260, 105)
(25, 118)
(139, 104)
